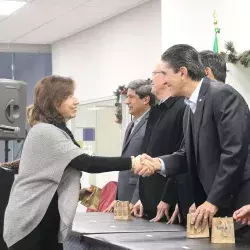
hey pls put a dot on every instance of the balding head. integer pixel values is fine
(159, 87)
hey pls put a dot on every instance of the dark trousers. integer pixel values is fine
(45, 235)
(6, 181)
(243, 198)
(38, 240)
(185, 196)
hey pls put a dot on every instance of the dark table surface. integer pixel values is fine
(103, 223)
(101, 232)
(156, 241)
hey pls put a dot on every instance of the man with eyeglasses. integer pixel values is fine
(163, 135)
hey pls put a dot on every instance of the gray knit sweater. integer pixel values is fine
(47, 152)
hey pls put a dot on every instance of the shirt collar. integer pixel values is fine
(195, 95)
(162, 101)
(140, 118)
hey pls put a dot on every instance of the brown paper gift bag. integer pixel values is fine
(122, 211)
(193, 233)
(223, 230)
(92, 200)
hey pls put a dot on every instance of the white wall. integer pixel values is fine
(191, 22)
(112, 53)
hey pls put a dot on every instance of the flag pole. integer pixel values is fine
(216, 47)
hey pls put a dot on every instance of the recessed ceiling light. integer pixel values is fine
(9, 7)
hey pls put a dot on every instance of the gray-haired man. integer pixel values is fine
(139, 101)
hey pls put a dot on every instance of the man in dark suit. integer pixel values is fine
(216, 132)
(163, 135)
(139, 101)
(215, 68)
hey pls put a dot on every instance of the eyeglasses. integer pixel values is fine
(158, 72)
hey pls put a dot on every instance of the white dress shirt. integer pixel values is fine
(136, 121)
(192, 101)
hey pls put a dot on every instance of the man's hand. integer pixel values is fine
(138, 209)
(175, 214)
(131, 208)
(203, 215)
(192, 209)
(162, 209)
(243, 215)
(140, 165)
(147, 166)
(110, 208)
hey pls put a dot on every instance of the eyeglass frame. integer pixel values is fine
(158, 72)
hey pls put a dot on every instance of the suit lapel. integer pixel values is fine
(199, 113)
(135, 131)
(126, 134)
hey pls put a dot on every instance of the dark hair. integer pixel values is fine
(49, 94)
(143, 88)
(216, 63)
(183, 55)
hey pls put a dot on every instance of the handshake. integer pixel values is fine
(144, 165)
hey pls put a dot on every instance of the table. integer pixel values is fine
(155, 240)
(104, 223)
(99, 231)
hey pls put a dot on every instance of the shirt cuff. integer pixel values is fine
(163, 168)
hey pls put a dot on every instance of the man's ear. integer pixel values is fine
(184, 72)
(147, 99)
(209, 73)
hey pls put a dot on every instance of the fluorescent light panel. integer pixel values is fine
(9, 7)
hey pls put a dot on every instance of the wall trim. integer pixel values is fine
(25, 48)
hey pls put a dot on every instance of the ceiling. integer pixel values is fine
(47, 21)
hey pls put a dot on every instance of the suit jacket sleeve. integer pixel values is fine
(231, 114)
(176, 163)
